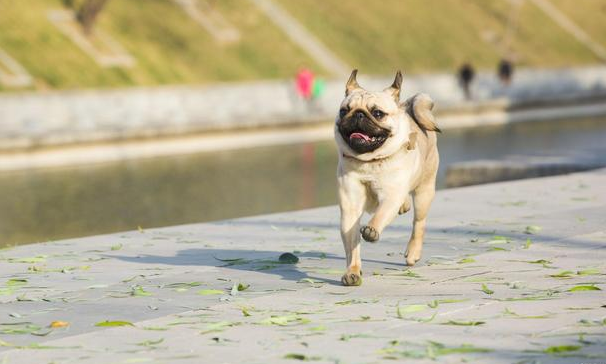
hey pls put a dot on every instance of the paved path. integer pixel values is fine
(512, 272)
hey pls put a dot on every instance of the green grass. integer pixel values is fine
(435, 35)
(169, 47)
(377, 37)
(591, 16)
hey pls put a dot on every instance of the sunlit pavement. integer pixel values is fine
(511, 272)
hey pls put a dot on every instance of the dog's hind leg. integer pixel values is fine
(422, 196)
(405, 206)
(352, 198)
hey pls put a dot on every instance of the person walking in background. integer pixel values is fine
(505, 71)
(466, 75)
(309, 87)
(304, 83)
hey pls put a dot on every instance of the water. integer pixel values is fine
(42, 205)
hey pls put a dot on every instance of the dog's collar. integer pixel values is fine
(408, 146)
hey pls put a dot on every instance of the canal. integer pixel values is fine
(48, 204)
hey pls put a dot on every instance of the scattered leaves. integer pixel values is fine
(208, 292)
(486, 290)
(532, 229)
(402, 311)
(301, 357)
(113, 323)
(58, 324)
(463, 323)
(561, 349)
(466, 260)
(584, 288)
(139, 291)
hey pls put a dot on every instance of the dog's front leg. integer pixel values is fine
(390, 202)
(352, 198)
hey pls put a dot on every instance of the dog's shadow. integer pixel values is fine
(242, 260)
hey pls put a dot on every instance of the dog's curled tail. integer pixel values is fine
(419, 108)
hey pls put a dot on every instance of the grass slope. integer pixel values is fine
(169, 47)
(431, 35)
(378, 37)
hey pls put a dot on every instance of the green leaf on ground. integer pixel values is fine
(218, 326)
(588, 272)
(233, 261)
(318, 328)
(563, 274)
(528, 243)
(486, 290)
(463, 323)
(499, 240)
(139, 291)
(301, 357)
(208, 292)
(539, 261)
(150, 343)
(15, 282)
(156, 328)
(584, 288)
(402, 311)
(18, 328)
(284, 320)
(347, 337)
(36, 259)
(466, 260)
(509, 312)
(532, 229)
(113, 323)
(238, 287)
(116, 247)
(431, 350)
(561, 349)
(181, 285)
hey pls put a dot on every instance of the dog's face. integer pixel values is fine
(369, 124)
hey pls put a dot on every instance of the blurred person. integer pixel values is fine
(466, 75)
(505, 71)
(304, 83)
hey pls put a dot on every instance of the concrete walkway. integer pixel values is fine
(512, 272)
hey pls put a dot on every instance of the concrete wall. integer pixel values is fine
(38, 119)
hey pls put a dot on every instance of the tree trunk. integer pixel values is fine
(88, 13)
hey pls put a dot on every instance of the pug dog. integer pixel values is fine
(388, 158)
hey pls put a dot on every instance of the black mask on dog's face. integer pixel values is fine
(363, 123)
(361, 130)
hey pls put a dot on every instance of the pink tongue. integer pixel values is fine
(359, 136)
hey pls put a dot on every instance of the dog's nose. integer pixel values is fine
(359, 115)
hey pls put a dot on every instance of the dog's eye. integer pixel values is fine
(342, 112)
(378, 114)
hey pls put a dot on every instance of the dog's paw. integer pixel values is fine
(413, 255)
(369, 234)
(351, 279)
(405, 207)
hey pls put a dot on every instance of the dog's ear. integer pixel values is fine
(352, 83)
(395, 87)
(419, 108)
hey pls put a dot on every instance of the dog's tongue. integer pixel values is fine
(359, 136)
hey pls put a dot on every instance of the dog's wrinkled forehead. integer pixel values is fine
(362, 99)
